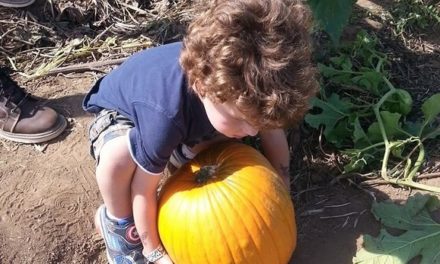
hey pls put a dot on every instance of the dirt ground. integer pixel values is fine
(48, 194)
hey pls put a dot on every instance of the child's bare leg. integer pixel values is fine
(114, 175)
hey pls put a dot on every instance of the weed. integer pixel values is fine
(364, 115)
(414, 15)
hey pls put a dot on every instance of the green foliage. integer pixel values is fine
(341, 114)
(332, 15)
(431, 108)
(421, 234)
(400, 102)
(414, 15)
(334, 116)
(365, 116)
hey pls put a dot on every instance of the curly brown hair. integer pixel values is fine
(255, 53)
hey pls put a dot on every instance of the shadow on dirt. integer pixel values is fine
(70, 106)
(331, 223)
(331, 215)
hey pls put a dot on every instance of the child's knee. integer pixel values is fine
(115, 158)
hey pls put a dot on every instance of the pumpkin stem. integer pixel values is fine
(206, 173)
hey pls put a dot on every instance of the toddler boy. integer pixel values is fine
(243, 69)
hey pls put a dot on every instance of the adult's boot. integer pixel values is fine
(23, 118)
(16, 3)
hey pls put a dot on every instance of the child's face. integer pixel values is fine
(226, 119)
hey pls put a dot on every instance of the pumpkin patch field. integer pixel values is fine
(365, 162)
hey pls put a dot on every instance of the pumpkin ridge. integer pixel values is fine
(282, 195)
(228, 192)
(185, 223)
(217, 206)
(250, 179)
(205, 228)
(260, 212)
(256, 213)
(255, 216)
(275, 184)
(176, 243)
(191, 233)
(282, 218)
(211, 201)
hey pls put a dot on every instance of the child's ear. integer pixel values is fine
(196, 87)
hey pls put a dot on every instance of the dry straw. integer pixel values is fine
(57, 36)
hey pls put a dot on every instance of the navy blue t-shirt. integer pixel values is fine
(151, 90)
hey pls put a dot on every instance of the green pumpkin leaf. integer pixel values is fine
(333, 111)
(391, 123)
(343, 61)
(358, 133)
(399, 102)
(369, 80)
(373, 133)
(431, 108)
(341, 133)
(327, 71)
(420, 238)
(332, 15)
(431, 133)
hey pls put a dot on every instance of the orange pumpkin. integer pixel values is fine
(227, 206)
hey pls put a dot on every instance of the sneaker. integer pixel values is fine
(123, 245)
(23, 118)
(16, 3)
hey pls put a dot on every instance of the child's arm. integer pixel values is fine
(144, 195)
(276, 150)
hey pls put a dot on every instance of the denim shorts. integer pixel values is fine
(108, 124)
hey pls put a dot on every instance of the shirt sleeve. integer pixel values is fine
(153, 138)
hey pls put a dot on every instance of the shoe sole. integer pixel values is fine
(37, 138)
(13, 4)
